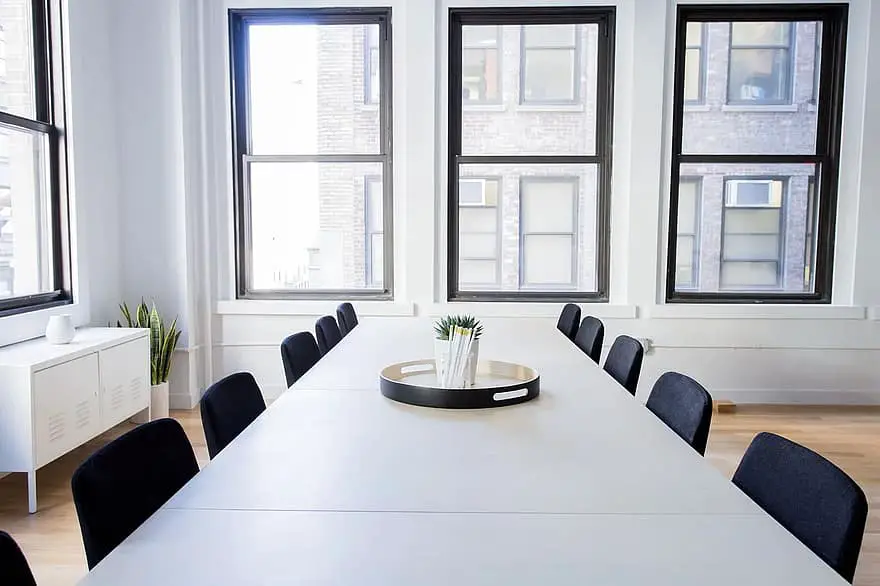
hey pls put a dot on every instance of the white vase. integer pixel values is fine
(441, 359)
(60, 329)
(159, 401)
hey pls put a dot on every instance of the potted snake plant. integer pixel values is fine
(442, 330)
(163, 341)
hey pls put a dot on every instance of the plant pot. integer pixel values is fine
(441, 359)
(59, 329)
(158, 404)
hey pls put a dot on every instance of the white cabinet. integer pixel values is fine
(55, 398)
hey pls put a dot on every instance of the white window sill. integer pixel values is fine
(760, 108)
(755, 311)
(530, 309)
(313, 307)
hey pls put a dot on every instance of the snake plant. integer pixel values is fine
(163, 339)
(444, 325)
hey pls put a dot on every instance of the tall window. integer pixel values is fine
(755, 214)
(694, 63)
(480, 65)
(549, 67)
(33, 221)
(688, 237)
(760, 68)
(537, 184)
(313, 162)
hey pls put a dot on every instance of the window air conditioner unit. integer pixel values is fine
(751, 193)
(472, 192)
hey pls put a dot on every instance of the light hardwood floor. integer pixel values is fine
(848, 436)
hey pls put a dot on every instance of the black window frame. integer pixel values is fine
(239, 18)
(602, 16)
(704, 31)
(825, 158)
(575, 75)
(49, 121)
(790, 47)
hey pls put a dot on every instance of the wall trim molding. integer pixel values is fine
(755, 311)
(313, 308)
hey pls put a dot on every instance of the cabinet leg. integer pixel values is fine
(32, 491)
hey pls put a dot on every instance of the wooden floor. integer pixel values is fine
(848, 436)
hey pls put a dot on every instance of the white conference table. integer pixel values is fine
(335, 484)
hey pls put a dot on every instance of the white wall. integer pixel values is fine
(161, 114)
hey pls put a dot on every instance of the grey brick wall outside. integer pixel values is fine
(347, 123)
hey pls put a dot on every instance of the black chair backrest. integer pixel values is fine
(228, 407)
(569, 320)
(14, 568)
(347, 318)
(118, 487)
(685, 406)
(624, 362)
(327, 333)
(299, 352)
(590, 336)
(808, 495)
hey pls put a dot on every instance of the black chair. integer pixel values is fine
(569, 320)
(808, 495)
(299, 352)
(624, 362)
(327, 333)
(14, 568)
(685, 406)
(228, 407)
(118, 487)
(346, 317)
(590, 336)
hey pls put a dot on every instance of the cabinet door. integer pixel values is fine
(66, 408)
(125, 381)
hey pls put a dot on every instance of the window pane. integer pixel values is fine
(25, 227)
(693, 75)
(523, 125)
(479, 36)
(759, 75)
(685, 274)
(308, 226)
(532, 200)
(745, 275)
(760, 33)
(549, 35)
(310, 104)
(17, 82)
(772, 235)
(548, 205)
(549, 75)
(547, 260)
(688, 194)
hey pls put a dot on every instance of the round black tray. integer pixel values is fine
(497, 384)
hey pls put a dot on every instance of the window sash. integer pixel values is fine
(240, 20)
(574, 50)
(785, 48)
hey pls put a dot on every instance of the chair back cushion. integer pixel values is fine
(590, 336)
(228, 407)
(808, 495)
(685, 406)
(346, 317)
(569, 320)
(624, 362)
(328, 334)
(14, 568)
(299, 352)
(118, 487)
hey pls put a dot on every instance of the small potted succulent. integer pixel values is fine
(443, 328)
(163, 341)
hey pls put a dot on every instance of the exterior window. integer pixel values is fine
(751, 243)
(34, 248)
(548, 222)
(531, 227)
(374, 245)
(688, 239)
(767, 177)
(480, 65)
(760, 68)
(371, 65)
(478, 246)
(695, 64)
(312, 170)
(550, 66)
